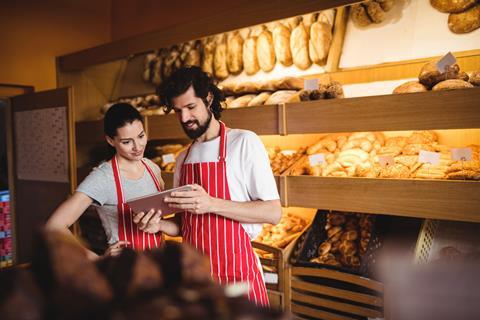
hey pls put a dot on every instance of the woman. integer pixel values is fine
(127, 175)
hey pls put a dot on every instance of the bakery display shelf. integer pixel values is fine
(437, 199)
(453, 109)
(168, 179)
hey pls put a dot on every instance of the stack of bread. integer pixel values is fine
(281, 160)
(299, 41)
(347, 239)
(162, 158)
(464, 15)
(430, 78)
(148, 105)
(281, 234)
(284, 90)
(466, 170)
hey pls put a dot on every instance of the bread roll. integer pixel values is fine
(265, 51)
(452, 6)
(241, 101)
(220, 68)
(430, 75)
(375, 11)
(235, 53)
(475, 78)
(334, 90)
(208, 50)
(359, 15)
(259, 99)
(281, 43)
(386, 5)
(319, 42)
(299, 47)
(452, 84)
(413, 149)
(250, 61)
(465, 21)
(410, 87)
(283, 96)
(422, 137)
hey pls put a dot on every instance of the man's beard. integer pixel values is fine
(201, 128)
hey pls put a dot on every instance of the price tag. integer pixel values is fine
(316, 159)
(310, 84)
(446, 60)
(462, 154)
(168, 158)
(270, 277)
(386, 161)
(429, 157)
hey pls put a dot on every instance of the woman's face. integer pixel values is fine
(130, 141)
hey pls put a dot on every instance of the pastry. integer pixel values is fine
(265, 51)
(452, 84)
(413, 149)
(235, 53)
(475, 78)
(410, 87)
(281, 44)
(299, 47)
(425, 137)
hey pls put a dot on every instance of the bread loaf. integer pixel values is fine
(430, 75)
(220, 68)
(194, 55)
(299, 47)
(410, 87)
(265, 51)
(235, 53)
(293, 22)
(327, 16)
(359, 15)
(250, 61)
(241, 101)
(281, 43)
(452, 6)
(283, 96)
(148, 63)
(259, 99)
(452, 84)
(475, 78)
(319, 42)
(208, 50)
(465, 21)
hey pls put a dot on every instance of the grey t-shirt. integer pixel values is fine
(100, 186)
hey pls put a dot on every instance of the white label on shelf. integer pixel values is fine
(168, 158)
(316, 159)
(270, 277)
(310, 84)
(461, 154)
(429, 157)
(446, 60)
(386, 160)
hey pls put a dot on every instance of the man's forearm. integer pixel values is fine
(250, 211)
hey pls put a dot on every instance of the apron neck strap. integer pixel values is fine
(222, 152)
(118, 183)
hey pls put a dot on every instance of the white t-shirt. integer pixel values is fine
(249, 174)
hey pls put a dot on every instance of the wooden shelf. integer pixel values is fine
(454, 109)
(438, 199)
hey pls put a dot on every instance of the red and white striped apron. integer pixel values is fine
(224, 240)
(127, 229)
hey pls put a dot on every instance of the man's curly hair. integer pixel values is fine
(179, 82)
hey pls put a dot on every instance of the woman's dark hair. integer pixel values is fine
(202, 83)
(119, 115)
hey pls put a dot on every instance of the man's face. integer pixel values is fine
(193, 114)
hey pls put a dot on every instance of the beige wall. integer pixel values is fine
(33, 33)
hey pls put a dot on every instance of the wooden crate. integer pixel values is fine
(329, 294)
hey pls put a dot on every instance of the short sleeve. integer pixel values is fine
(95, 186)
(259, 178)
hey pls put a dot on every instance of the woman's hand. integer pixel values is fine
(197, 201)
(150, 222)
(115, 249)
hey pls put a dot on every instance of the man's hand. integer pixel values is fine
(197, 201)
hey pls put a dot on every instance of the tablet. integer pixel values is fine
(155, 201)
